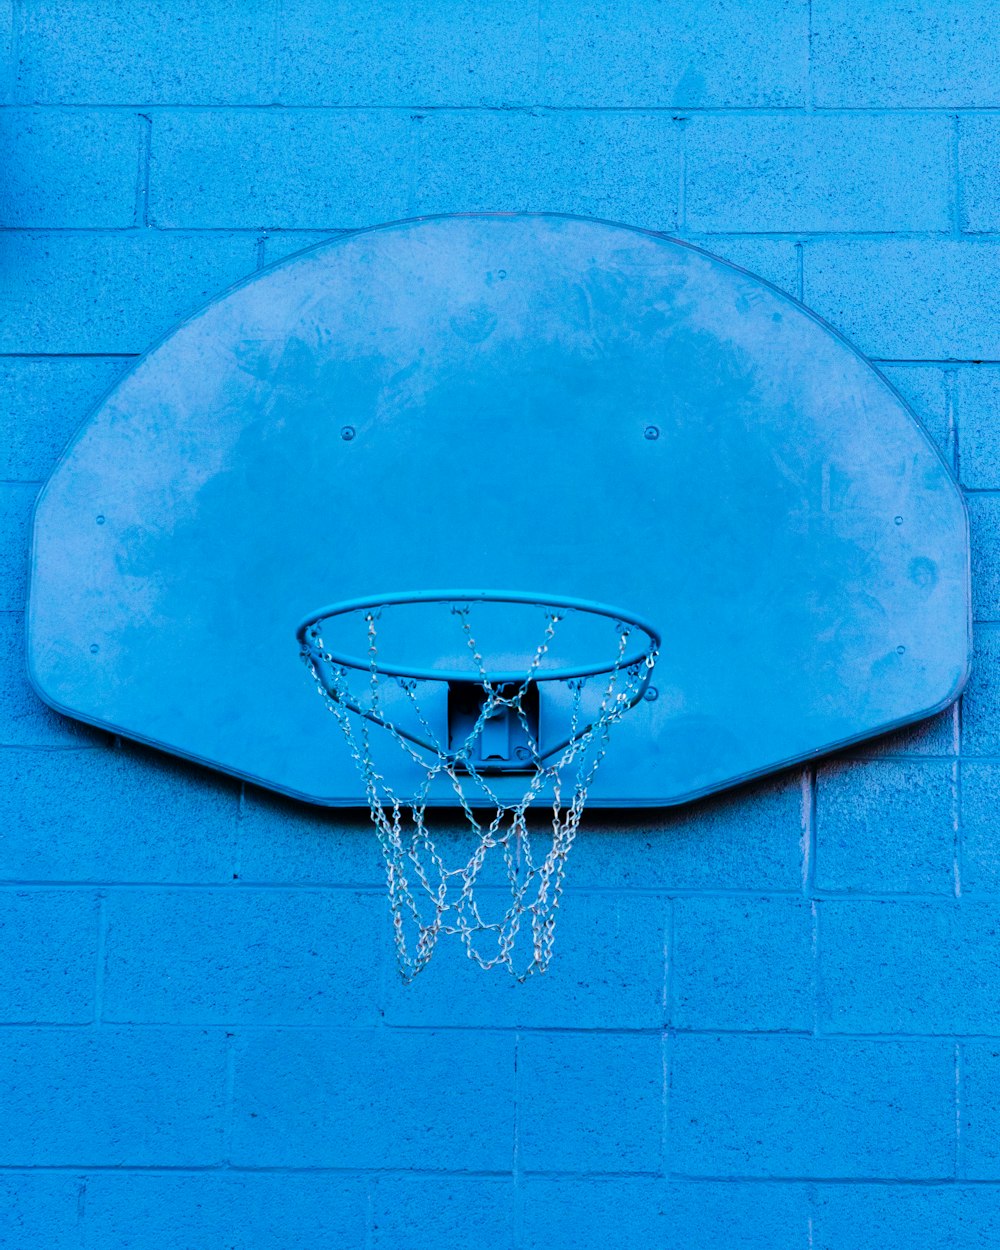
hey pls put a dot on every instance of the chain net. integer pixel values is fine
(428, 898)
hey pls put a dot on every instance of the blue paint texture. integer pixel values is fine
(772, 1021)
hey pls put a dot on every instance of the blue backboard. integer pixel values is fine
(544, 404)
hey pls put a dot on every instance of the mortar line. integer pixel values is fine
(517, 1170)
(471, 1176)
(956, 800)
(682, 153)
(102, 933)
(17, 19)
(956, 173)
(141, 213)
(959, 1152)
(229, 1101)
(375, 889)
(270, 71)
(800, 271)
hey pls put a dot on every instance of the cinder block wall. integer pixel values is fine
(774, 1019)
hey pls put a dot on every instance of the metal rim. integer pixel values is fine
(403, 598)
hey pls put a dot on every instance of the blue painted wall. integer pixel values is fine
(774, 1019)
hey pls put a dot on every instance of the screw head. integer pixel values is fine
(100, 520)
(94, 648)
(651, 695)
(651, 432)
(347, 433)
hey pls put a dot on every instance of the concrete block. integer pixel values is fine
(899, 1217)
(253, 168)
(981, 700)
(618, 165)
(978, 405)
(682, 55)
(747, 839)
(980, 829)
(237, 1211)
(113, 816)
(184, 52)
(984, 530)
(43, 402)
(48, 956)
(243, 956)
(908, 299)
(887, 826)
(380, 1098)
(897, 54)
(814, 172)
(112, 1097)
(452, 52)
(590, 1102)
(742, 963)
(979, 1113)
(908, 966)
(111, 292)
(607, 971)
(811, 1107)
(414, 1212)
(69, 168)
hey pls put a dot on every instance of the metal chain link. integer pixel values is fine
(428, 899)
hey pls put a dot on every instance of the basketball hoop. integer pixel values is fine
(487, 706)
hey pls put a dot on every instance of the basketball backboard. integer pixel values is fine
(561, 408)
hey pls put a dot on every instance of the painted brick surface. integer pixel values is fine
(771, 1022)
(980, 836)
(246, 1211)
(897, 1217)
(42, 404)
(737, 1107)
(637, 54)
(114, 816)
(896, 54)
(110, 292)
(48, 949)
(612, 975)
(456, 53)
(981, 701)
(742, 963)
(444, 1209)
(887, 827)
(751, 839)
(908, 966)
(280, 956)
(41, 1209)
(822, 172)
(617, 165)
(340, 1098)
(984, 521)
(112, 1097)
(635, 1213)
(978, 402)
(979, 1109)
(184, 52)
(909, 299)
(16, 504)
(74, 167)
(244, 168)
(590, 1102)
